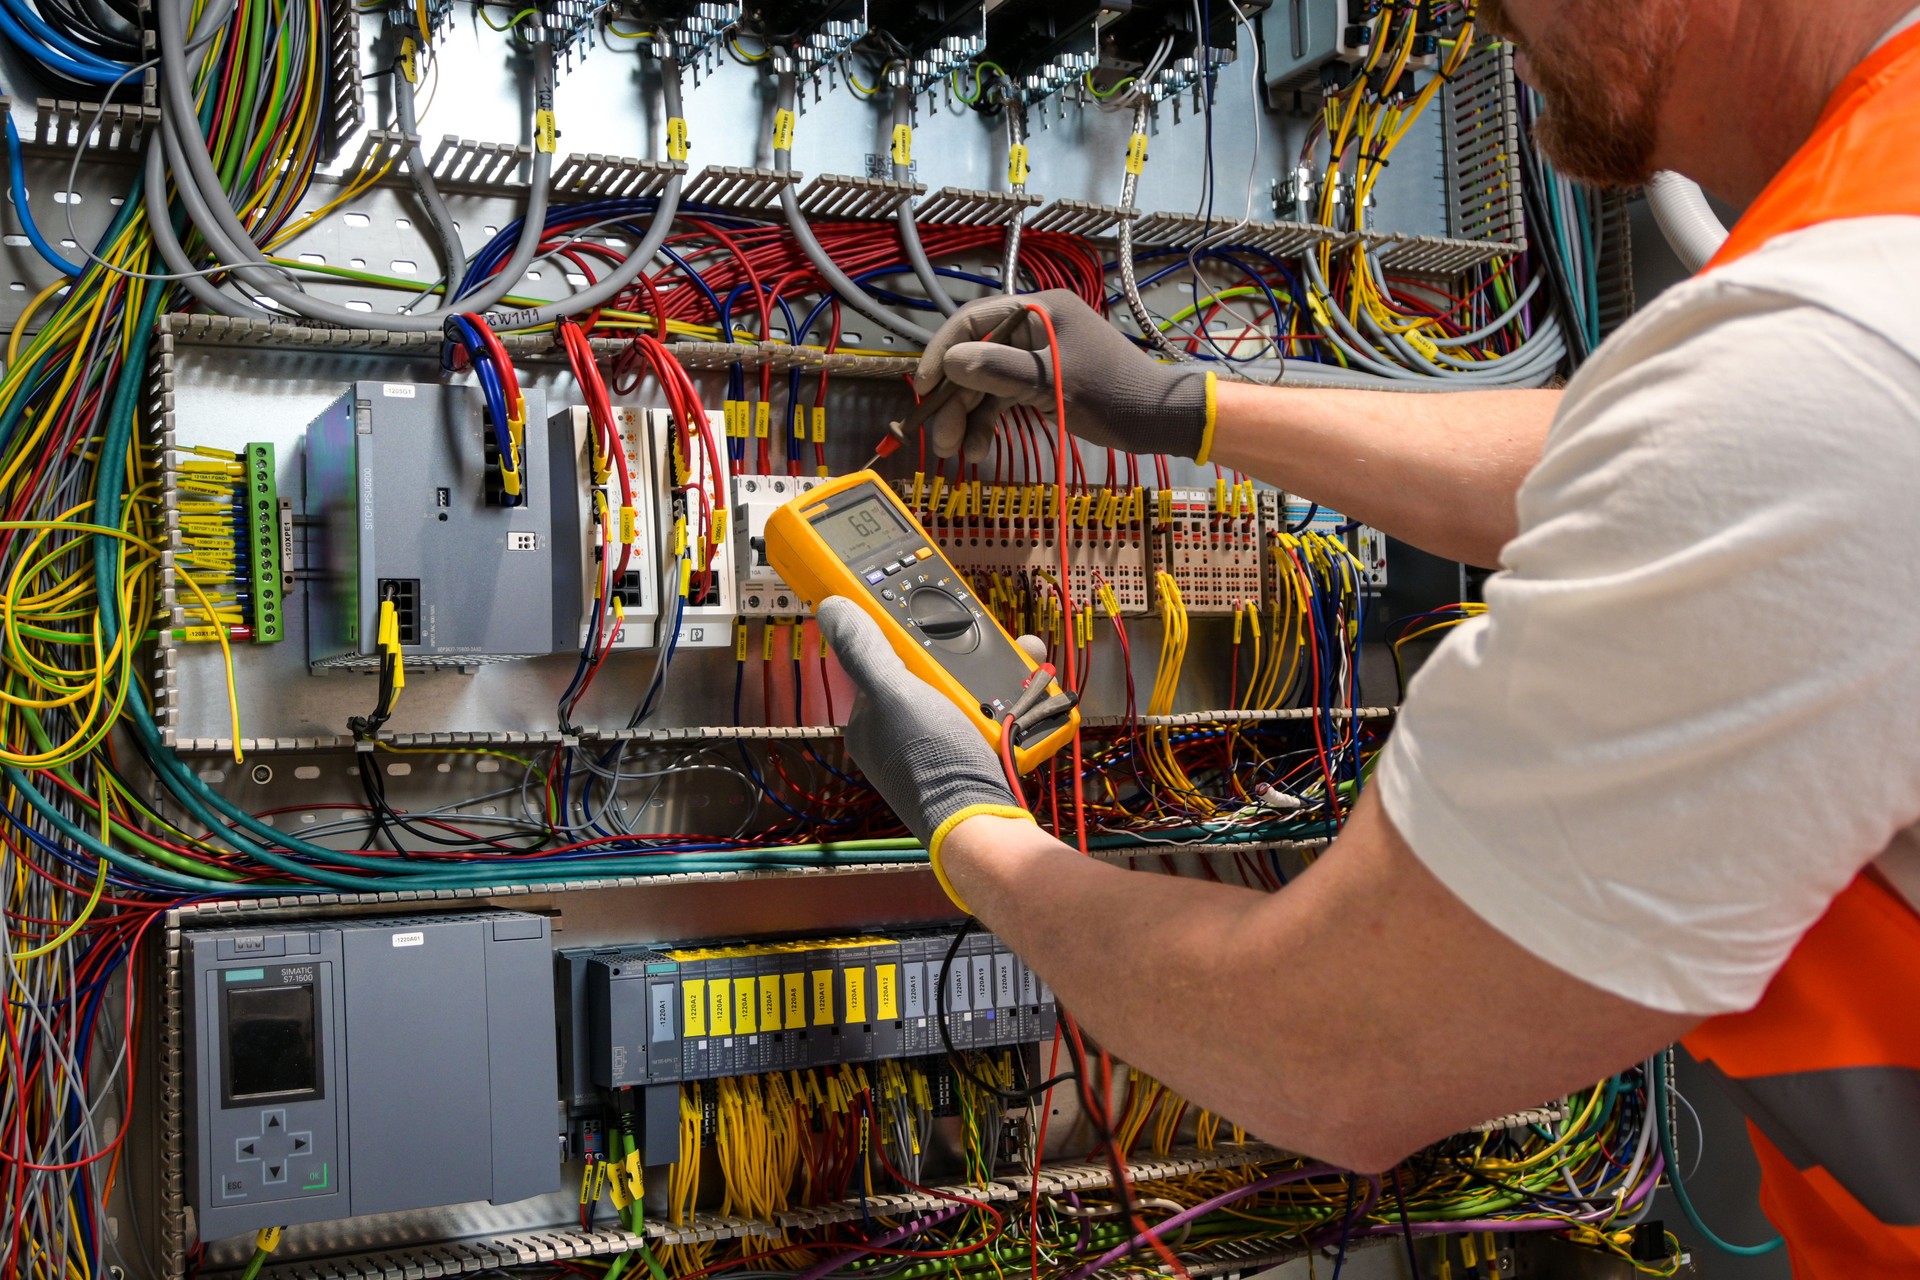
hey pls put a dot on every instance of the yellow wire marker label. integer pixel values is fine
(822, 997)
(762, 418)
(793, 992)
(746, 1008)
(1017, 165)
(677, 138)
(856, 994)
(903, 145)
(740, 641)
(545, 134)
(770, 1019)
(1136, 154)
(819, 424)
(783, 130)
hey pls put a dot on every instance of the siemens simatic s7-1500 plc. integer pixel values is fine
(369, 1065)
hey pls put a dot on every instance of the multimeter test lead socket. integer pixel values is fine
(939, 398)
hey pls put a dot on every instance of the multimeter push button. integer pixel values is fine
(943, 619)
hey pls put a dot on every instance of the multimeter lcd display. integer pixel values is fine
(859, 532)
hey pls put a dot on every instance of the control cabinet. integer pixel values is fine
(369, 1066)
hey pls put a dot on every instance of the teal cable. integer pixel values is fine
(1658, 1101)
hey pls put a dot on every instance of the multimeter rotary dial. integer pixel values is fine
(944, 619)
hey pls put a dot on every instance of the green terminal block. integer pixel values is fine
(263, 521)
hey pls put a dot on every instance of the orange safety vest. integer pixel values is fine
(1827, 1066)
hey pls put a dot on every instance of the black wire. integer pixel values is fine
(1406, 1226)
(1017, 1096)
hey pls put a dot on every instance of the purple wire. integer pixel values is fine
(880, 1242)
(1086, 1228)
(1201, 1210)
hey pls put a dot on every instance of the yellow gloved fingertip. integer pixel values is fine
(940, 833)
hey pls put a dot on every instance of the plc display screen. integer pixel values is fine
(862, 530)
(272, 1045)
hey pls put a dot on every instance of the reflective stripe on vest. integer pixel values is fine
(1827, 1069)
(1827, 1066)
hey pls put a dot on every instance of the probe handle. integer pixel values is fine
(939, 398)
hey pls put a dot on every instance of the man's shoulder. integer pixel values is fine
(1865, 271)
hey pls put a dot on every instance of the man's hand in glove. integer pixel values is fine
(920, 752)
(1117, 396)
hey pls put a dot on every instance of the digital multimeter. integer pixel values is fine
(853, 537)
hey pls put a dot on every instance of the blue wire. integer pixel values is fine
(30, 31)
(481, 359)
(17, 184)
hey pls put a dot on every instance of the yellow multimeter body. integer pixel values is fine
(853, 537)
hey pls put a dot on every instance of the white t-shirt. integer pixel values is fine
(1691, 714)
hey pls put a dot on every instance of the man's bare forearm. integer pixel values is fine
(1344, 1017)
(1438, 471)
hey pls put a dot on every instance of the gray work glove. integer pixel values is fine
(920, 752)
(1117, 396)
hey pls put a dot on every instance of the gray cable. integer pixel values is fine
(195, 177)
(837, 280)
(909, 229)
(160, 226)
(665, 209)
(1478, 335)
(453, 257)
(1546, 347)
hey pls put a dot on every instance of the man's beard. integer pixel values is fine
(1603, 94)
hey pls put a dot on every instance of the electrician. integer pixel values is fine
(1666, 787)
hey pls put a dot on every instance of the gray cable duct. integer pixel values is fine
(453, 257)
(232, 244)
(1129, 281)
(909, 229)
(609, 287)
(1016, 137)
(837, 280)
